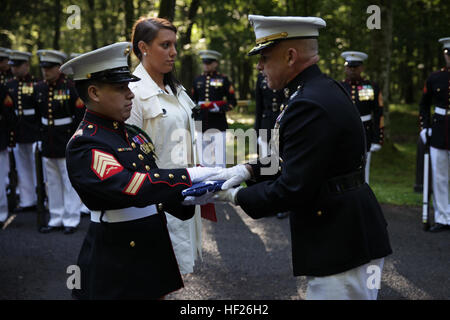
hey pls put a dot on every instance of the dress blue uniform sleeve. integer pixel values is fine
(304, 157)
(105, 181)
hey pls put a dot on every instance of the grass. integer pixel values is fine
(393, 168)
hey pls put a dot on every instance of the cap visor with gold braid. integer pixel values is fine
(271, 30)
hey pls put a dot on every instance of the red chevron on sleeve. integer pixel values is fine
(104, 164)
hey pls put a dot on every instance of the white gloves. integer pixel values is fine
(198, 174)
(233, 176)
(424, 135)
(215, 109)
(375, 147)
(228, 195)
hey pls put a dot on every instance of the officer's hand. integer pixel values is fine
(375, 147)
(201, 200)
(215, 108)
(234, 176)
(424, 135)
(228, 195)
(199, 174)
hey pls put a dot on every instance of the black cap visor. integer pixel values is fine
(16, 63)
(353, 64)
(47, 64)
(116, 75)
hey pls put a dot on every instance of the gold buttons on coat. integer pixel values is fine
(134, 165)
(132, 244)
(183, 177)
(171, 176)
(160, 206)
(156, 175)
(141, 157)
(147, 167)
(319, 213)
(90, 126)
(115, 125)
(133, 145)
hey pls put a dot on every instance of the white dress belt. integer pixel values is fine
(366, 118)
(441, 111)
(57, 122)
(125, 214)
(26, 112)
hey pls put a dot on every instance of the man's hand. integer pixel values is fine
(228, 195)
(375, 147)
(234, 176)
(199, 174)
(425, 134)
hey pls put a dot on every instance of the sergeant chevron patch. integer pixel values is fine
(104, 164)
(135, 183)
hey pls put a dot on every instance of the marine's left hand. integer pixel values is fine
(228, 195)
(375, 147)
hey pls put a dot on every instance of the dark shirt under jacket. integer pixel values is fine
(26, 127)
(210, 87)
(268, 104)
(59, 112)
(111, 165)
(321, 140)
(366, 95)
(436, 93)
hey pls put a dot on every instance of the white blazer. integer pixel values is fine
(167, 119)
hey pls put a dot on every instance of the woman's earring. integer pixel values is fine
(145, 53)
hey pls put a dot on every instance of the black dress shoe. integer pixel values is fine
(48, 229)
(438, 227)
(69, 230)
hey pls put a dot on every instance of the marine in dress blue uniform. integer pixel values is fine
(337, 225)
(214, 95)
(127, 253)
(26, 127)
(6, 121)
(436, 129)
(367, 97)
(5, 70)
(60, 111)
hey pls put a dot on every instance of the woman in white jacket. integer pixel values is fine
(163, 109)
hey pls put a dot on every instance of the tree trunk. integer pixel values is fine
(187, 57)
(129, 19)
(381, 51)
(57, 24)
(167, 9)
(91, 22)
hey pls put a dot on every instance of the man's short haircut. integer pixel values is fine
(82, 88)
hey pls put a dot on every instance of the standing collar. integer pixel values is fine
(303, 77)
(103, 121)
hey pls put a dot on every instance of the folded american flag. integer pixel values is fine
(199, 189)
(208, 210)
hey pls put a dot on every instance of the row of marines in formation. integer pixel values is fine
(44, 114)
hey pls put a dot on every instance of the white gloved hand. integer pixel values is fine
(201, 200)
(215, 109)
(375, 147)
(424, 136)
(228, 195)
(233, 176)
(198, 174)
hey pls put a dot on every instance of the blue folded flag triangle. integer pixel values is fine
(199, 189)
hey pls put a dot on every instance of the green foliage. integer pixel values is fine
(223, 26)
